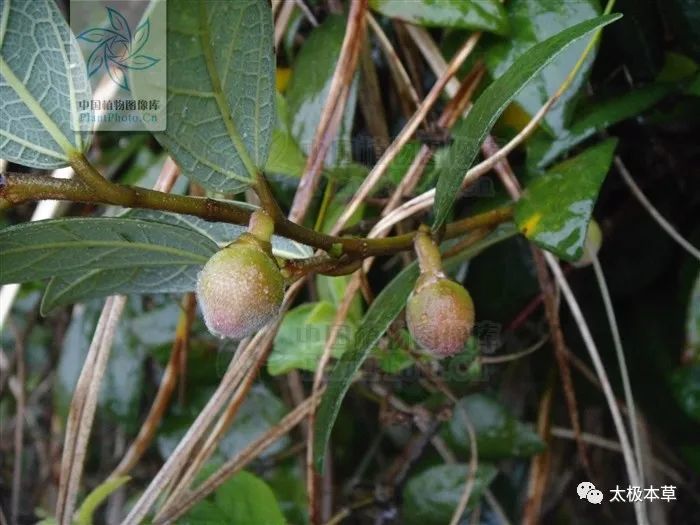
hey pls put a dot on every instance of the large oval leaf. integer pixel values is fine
(101, 282)
(491, 104)
(555, 209)
(498, 433)
(431, 497)
(243, 499)
(42, 74)
(42, 249)
(488, 15)
(221, 91)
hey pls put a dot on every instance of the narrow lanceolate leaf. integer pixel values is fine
(556, 208)
(42, 74)
(101, 282)
(491, 104)
(379, 316)
(533, 21)
(220, 90)
(62, 247)
(489, 15)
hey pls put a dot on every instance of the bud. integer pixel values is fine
(440, 312)
(240, 289)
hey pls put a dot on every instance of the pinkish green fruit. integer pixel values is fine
(440, 315)
(239, 290)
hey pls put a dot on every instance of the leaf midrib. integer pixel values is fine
(36, 109)
(112, 244)
(221, 101)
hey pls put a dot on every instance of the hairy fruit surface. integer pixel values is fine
(440, 315)
(240, 289)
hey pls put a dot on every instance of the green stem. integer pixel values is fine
(16, 188)
(94, 179)
(261, 225)
(428, 253)
(267, 198)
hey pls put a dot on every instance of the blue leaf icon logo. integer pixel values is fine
(117, 49)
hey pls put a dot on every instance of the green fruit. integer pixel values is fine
(440, 315)
(239, 290)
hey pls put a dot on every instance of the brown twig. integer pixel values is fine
(22, 187)
(224, 421)
(282, 20)
(84, 402)
(540, 464)
(82, 409)
(20, 399)
(406, 133)
(332, 112)
(453, 110)
(236, 463)
(406, 91)
(370, 99)
(551, 305)
(165, 391)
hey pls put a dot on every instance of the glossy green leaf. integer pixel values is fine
(221, 96)
(302, 335)
(498, 434)
(555, 208)
(491, 104)
(38, 250)
(42, 74)
(308, 89)
(244, 499)
(379, 316)
(533, 21)
(487, 15)
(431, 497)
(542, 149)
(139, 279)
